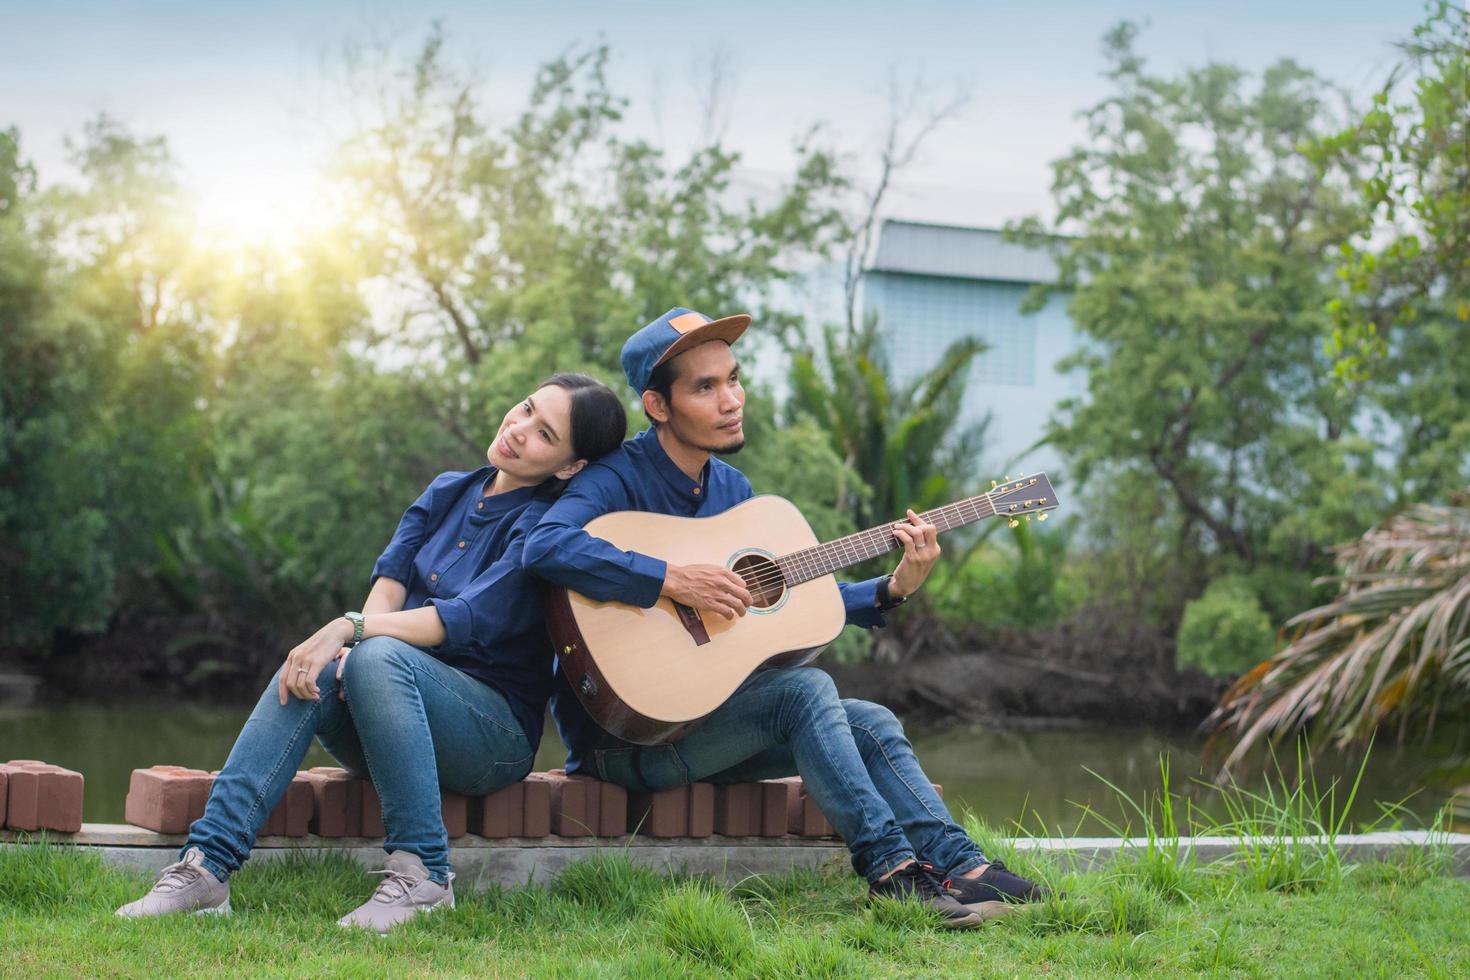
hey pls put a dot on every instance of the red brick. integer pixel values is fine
(737, 810)
(537, 814)
(701, 810)
(455, 811)
(372, 811)
(166, 799)
(585, 807)
(291, 816)
(571, 811)
(662, 814)
(499, 814)
(35, 795)
(336, 802)
(773, 809)
(803, 818)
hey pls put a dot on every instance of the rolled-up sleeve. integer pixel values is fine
(502, 600)
(396, 561)
(560, 551)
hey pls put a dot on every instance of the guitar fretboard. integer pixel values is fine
(824, 559)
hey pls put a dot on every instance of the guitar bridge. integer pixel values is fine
(689, 616)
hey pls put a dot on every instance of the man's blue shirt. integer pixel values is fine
(460, 551)
(637, 476)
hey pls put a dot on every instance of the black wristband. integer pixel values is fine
(886, 601)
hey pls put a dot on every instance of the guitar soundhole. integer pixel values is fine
(762, 578)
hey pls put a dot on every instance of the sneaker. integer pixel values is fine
(995, 893)
(917, 883)
(186, 886)
(405, 891)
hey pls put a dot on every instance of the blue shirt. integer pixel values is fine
(460, 551)
(637, 476)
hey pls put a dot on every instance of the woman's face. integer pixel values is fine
(534, 440)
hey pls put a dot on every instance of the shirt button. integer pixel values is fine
(696, 490)
(480, 505)
(434, 577)
(461, 544)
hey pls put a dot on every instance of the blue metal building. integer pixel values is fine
(931, 284)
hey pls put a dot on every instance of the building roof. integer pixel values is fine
(917, 248)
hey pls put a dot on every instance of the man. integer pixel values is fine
(852, 755)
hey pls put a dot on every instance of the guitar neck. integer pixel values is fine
(824, 559)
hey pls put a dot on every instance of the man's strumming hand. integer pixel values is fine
(707, 587)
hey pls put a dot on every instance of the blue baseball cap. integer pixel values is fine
(671, 335)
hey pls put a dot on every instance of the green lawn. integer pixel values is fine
(605, 918)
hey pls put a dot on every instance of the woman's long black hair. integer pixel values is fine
(599, 422)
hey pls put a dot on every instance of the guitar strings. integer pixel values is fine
(859, 542)
(856, 544)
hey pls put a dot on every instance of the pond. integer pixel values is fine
(1039, 777)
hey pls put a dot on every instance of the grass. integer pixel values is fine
(607, 918)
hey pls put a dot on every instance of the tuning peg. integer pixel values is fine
(1041, 517)
(993, 484)
(1020, 476)
(1027, 518)
(1013, 523)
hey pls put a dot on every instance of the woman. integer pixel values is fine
(440, 681)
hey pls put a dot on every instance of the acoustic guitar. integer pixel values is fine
(650, 675)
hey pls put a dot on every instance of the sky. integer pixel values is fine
(251, 98)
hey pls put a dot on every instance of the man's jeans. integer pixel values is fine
(410, 722)
(852, 755)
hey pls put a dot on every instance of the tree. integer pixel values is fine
(1400, 326)
(553, 232)
(53, 525)
(1193, 237)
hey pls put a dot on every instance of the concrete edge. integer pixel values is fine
(481, 863)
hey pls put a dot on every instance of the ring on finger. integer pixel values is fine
(301, 670)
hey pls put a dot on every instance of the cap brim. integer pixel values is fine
(727, 328)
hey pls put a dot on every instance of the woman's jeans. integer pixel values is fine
(853, 757)
(410, 722)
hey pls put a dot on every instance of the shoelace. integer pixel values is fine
(177, 875)
(394, 885)
(941, 885)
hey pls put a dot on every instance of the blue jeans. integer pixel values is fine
(410, 722)
(852, 755)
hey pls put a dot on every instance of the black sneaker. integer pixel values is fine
(995, 893)
(918, 883)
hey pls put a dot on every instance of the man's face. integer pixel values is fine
(708, 402)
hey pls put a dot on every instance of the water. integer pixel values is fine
(1038, 777)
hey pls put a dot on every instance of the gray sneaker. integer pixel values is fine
(405, 891)
(186, 886)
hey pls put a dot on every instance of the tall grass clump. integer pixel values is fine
(1286, 833)
(1155, 853)
(610, 883)
(700, 923)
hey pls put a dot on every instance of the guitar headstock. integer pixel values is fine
(1018, 499)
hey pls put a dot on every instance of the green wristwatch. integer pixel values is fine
(358, 622)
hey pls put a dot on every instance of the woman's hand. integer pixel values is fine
(307, 660)
(920, 552)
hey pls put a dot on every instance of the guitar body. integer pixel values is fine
(649, 675)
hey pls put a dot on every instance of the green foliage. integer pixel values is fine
(1027, 580)
(902, 442)
(1225, 632)
(1192, 237)
(243, 427)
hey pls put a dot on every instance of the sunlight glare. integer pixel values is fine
(263, 207)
